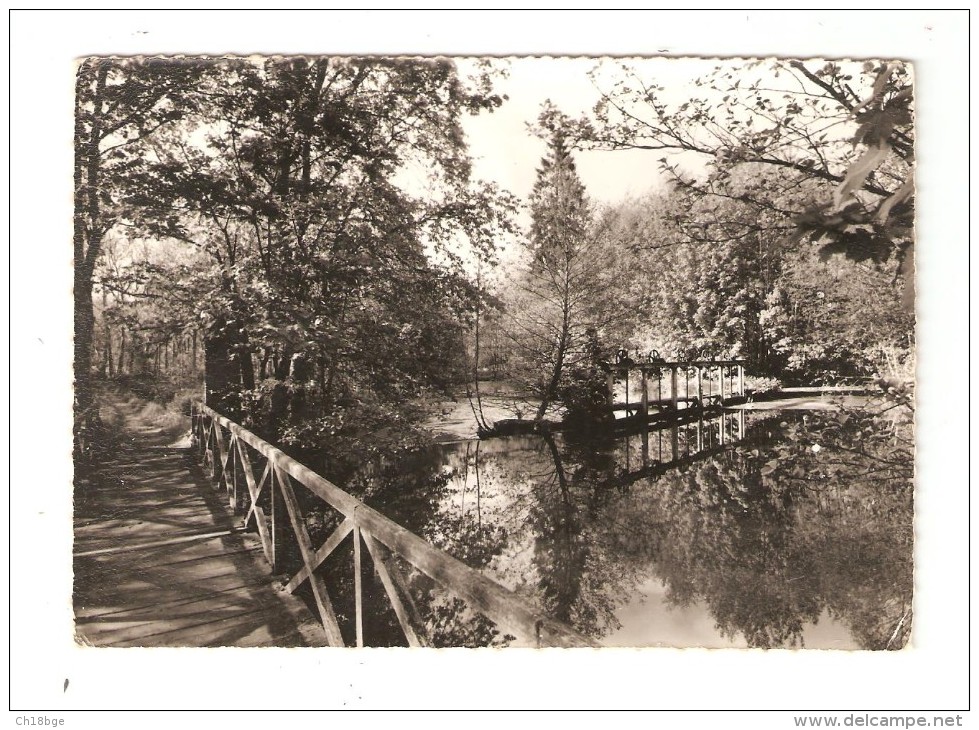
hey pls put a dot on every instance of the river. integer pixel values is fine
(774, 529)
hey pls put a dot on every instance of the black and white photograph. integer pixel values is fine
(583, 352)
(641, 375)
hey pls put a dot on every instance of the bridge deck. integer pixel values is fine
(159, 562)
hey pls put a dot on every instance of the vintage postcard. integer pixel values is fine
(463, 352)
(576, 356)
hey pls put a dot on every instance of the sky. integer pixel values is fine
(507, 152)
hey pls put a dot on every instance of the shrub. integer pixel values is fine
(585, 396)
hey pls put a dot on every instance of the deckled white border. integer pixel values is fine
(932, 675)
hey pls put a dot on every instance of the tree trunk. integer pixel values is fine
(299, 374)
(246, 370)
(220, 375)
(551, 391)
(87, 240)
(84, 326)
(107, 365)
(283, 364)
(193, 352)
(330, 378)
(122, 350)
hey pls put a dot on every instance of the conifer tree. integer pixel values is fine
(564, 290)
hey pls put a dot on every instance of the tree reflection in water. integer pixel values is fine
(771, 521)
(808, 514)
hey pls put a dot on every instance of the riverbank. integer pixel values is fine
(498, 401)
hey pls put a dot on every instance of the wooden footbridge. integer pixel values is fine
(169, 555)
(679, 385)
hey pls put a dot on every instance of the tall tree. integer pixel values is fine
(562, 297)
(328, 195)
(119, 103)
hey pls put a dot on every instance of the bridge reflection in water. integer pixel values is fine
(724, 530)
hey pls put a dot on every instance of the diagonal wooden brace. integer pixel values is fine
(323, 604)
(331, 544)
(409, 618)
(255, 512)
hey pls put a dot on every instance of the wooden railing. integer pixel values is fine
(730, 379)
(228, 450)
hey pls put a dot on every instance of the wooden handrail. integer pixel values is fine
(667, 365)
(511, 613)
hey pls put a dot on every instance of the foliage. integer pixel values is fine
(119, 105)
(847, 125)
(561, 305)
(805, 516)
(324, 206)
(706, 282)
(829, 318)
(584, 391)
(762, 385)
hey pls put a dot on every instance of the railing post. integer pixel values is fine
(741, 380)
(231, 480)
(207, 450)
(645, 395)
(673, 388)
(203, 439)
(358, 589)
(240, 494)
(278, 513)
(217, 453)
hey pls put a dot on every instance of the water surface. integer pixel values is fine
(773, 530)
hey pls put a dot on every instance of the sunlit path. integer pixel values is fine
(159, 560)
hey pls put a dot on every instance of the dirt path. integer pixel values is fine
(159, 559)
